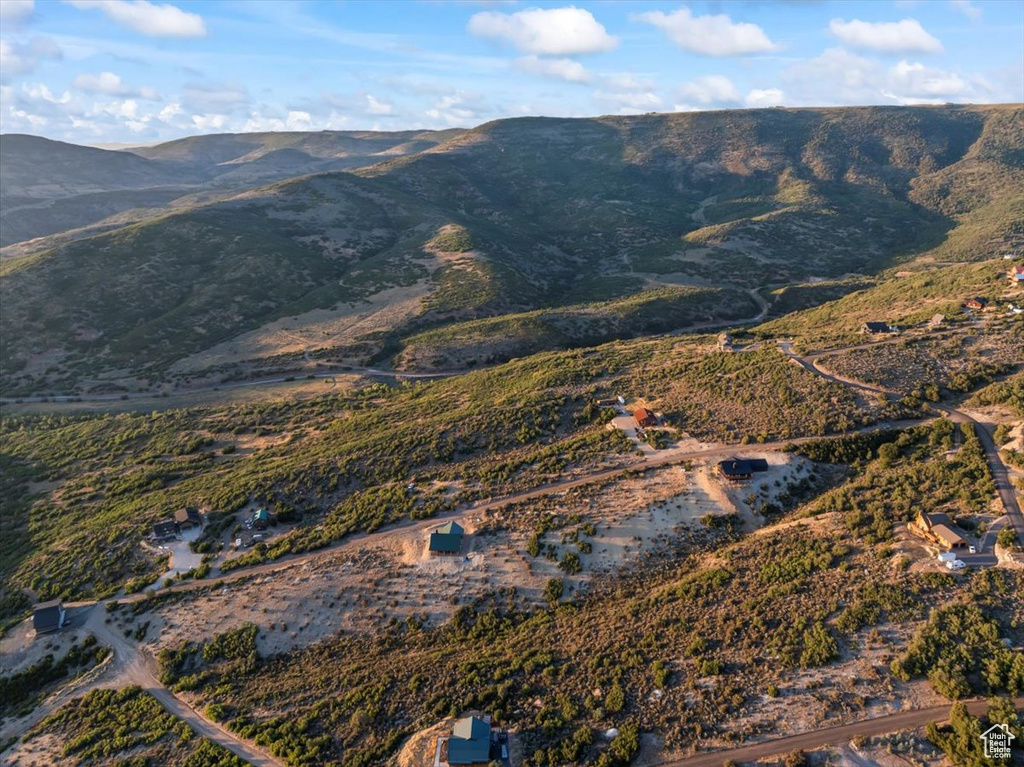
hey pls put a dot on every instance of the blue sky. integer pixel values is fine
(107, 71)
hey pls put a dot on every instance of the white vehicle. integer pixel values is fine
(946, 556)
(956, 564)
(973, 549)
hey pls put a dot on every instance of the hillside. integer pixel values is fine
(530, 215)
(51, 186)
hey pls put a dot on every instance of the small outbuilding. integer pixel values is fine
(49, 616)
(446, 541)
(261, 519)
(470, 741)
(187, 518)
(976, 303)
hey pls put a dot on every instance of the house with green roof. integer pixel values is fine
(470, 742)
(446, 541)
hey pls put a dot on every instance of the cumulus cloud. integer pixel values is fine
(24, 58)
(558, 68)
(713, 35)
(147, 18)
(545, 32)
(455, 110)
(375, 106)
(766, 97)
(709, 90)
(112, 85)
(15, 11)
(628, 102)
(294, 120)
(840, 77)
(906, 36)
(914, 83)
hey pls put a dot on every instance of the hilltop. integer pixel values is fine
(557, 232)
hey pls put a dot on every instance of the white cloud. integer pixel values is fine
(208, 122)
(147, 18)
(767, 97)
(14, 11)
(295, 120)
(629, 102)
(840, 77)
(710, 35)
(560, 69)
(545, 32)
(967, 8)
(23, 58)
(171, 111)
(112, 85)
(375, 106)
(906, 36)
(835, 77)
(40, 92)
(455, 110)
(709, 90)
(915, 83)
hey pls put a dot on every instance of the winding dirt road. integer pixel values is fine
(128, 666)
(1000, 474)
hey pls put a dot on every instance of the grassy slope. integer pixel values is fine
(719, 630)
(516, 335)
(343, 462)
(906, 300)
(561, 211)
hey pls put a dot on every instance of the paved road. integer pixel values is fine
(1000, 474)
(830, 736)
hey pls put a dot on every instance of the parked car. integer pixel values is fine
(973, 549)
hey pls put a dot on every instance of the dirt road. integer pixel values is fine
(128, 666)
(830, 736)
(1000, 474)
(656, 460)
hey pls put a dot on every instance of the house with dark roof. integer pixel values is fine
(188, 518)
(49, 616)
(740, 469)
(165, 531)
(446, 541)
(644, 417)
(938, 529)
(874, 328)
(470, 741)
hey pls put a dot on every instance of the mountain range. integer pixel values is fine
(219, 256)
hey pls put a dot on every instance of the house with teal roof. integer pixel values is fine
(446, 541)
